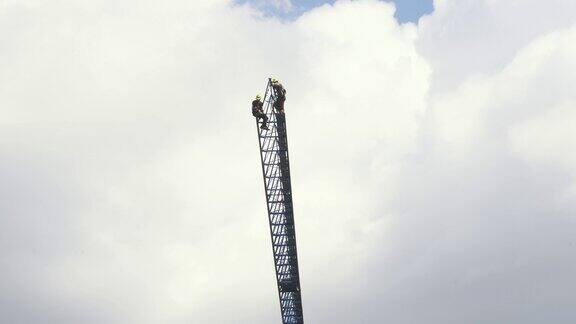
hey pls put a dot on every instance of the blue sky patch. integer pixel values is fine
(407, 10)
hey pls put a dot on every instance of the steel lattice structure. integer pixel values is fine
(276, 173)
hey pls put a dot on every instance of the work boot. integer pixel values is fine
(264, 127)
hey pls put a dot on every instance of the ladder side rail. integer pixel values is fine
(282, 130)
(292, 272)
(285, 134)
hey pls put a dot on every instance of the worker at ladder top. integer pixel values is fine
(280, 94)
(258, 112)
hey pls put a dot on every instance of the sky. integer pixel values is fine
(406, 10)
(432, 162)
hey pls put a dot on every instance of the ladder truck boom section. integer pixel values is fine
(276, 173)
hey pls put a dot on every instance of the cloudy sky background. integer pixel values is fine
(433, 161)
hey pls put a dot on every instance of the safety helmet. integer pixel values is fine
(258, 97)
(274, 80)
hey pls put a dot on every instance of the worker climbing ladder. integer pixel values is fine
(276, 172)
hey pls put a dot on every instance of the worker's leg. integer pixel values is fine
(264, 120)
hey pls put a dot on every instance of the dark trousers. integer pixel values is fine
(261, 115)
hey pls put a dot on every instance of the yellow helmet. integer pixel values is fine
(258, 97)
(274, 80)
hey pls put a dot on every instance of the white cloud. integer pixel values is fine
(132, 191)
(285, 5)
(468, 37)
(549, 138)
(547, 134)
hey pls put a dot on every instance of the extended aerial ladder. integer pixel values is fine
(276, 172)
